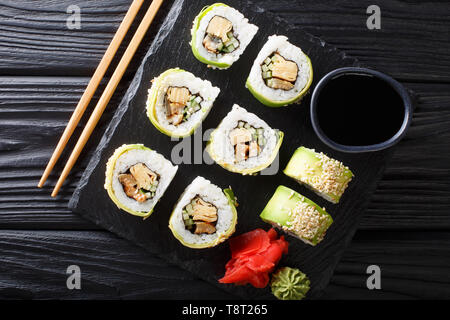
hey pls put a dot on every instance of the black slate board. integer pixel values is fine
(130, 125)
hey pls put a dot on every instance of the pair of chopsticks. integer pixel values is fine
(107, 93)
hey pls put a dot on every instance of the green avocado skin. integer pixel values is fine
(281, 204)
(289, 284)
(278, 208)
(305, 156)
(301, 154)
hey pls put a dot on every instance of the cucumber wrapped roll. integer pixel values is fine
(297, 216)
(204, 216)
(220, 35)
(281, 73)
(178, 102)
(325, 176)
(244, 143)
(137, 177)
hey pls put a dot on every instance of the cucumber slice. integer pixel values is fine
(260, 140)
(230, 34)
(230, 48)
(189, 222)
(267, 61)
(267, 75)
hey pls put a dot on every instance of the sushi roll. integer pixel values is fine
(281, 73)
(297, 216)
(178, 102)
(204, 216)
(243, 143)
(137, 177)
(220, 35)
(325, 176)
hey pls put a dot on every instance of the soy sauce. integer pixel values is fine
(358, 110)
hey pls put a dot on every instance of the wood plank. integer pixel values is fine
(34, 263)
(33, 113)
(414, 193)
(35, 39)
(412, 34)
(415, 189)
(412, 43)
(413, 265)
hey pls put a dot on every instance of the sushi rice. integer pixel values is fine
(279, 97)
(226, 214)
(127, 156)
(242, 29)
(222, 151)
(157, 110)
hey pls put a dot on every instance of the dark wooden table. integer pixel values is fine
(44, 68)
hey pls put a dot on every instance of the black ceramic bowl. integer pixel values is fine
(401, 91)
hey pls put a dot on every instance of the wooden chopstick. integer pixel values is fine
(109, 90)
(92, 86)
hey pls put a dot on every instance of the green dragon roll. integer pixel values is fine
(244, 143)
(281, 73)
(178, 102)
(220, 35)
(325, 176)
(297, 215)
(137, 177)
(204, 216)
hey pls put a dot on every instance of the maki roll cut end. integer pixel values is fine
(178, 102)
(244, 143)
(297, 216)
(220, 35)
(137, 177)
(281, 73)
(204, 216)
(327, 177)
